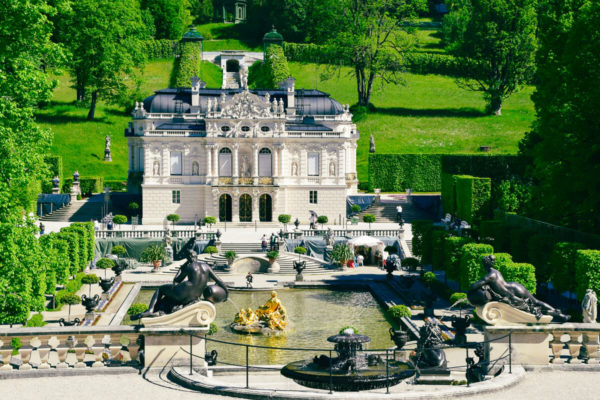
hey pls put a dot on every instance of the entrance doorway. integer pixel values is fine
(265, 208)
(245, 208)
(225, 208)
(232, 66)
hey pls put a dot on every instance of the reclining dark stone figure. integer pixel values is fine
(173, 296)
(493, 287)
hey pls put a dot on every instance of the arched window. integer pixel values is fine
(225, 208)
(265, 162)
(225, 162)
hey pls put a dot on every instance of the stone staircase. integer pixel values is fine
(385, 211)
(76, 211)
(232, 80)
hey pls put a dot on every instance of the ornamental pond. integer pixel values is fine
(315, 314)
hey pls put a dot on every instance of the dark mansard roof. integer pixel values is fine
(308, 102)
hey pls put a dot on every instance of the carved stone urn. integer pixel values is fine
(399, 337)
(106, 284)
(90, 303)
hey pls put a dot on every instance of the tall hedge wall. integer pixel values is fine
(421, 243)
(438, 237)
(55, 166)
(471, 269)
(587, 271)
(159, 48)
(522, 273)
(87, 185)
(452, 252)
(473, 196)
(539, 250)
(423, 172)
(562, 264)
(398, 172)
(186, 65)
(448, 194)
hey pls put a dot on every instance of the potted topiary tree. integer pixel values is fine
(355, 209)
(210, 221)
(342, 253)
(134, 208)
(119, 219)
(90, 302)
(369, 218)
(284, 219)
(119, 266)
(90, 279)
(173, 218)
(106, 283)
(273, 264)
(70, 299)
(397, 312)
(299, 266)
(230, 255)
(210, 250)
(154, 254)
(322, 219)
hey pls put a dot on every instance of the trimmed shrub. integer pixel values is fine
(120, 219)
(429, 278)
(398, 172)
(173, 218)
(159, 48)
(518, 243)
(587, 271)
(473, 197)
(284, 218)
(81, 235)
(522, 273)
(355, 208)
(459, 296)
(421, 243)
(300, 250)
(539, 250)
(210, 250)
(116, 185)
(452, 252)
(88, 185)
(369, 218)
(210, 221)
(118, 250)
(72, 240)
(562, 264)
(186, 65)
(411, 263)
(36, 320)
(399, 311)
(471, 269)
(322, 219)
(276, 66)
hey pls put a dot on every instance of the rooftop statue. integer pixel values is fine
(493, 288)
(189, 285)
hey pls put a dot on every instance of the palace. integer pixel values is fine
(242, 155)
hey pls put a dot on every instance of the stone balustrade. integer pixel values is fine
(570, 343)
(348, 232)
(155, 234)
(68, 347)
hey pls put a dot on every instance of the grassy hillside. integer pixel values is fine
(427, 114)
(81, 142)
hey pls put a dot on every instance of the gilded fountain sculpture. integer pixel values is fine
(271, 318)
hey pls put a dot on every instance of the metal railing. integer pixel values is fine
(414, 349)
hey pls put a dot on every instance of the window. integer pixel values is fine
(141, 159)
(265, 129)
(313, 164)
(176, 196)
(264, 162)
(175, 163)
(245, 128)
(225, 162)
(312, 197)
(225, 128)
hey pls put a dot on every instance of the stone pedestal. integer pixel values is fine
(56, 190)
(496, 313)
(218, 245)
(75, 190)
(274, 267)
(529, 346)
(90, 316)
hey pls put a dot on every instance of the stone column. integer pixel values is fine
(215, 161)
(147, 160)
(166, 161)
(208, 151)
(255, 163)
(324, 164)
(235, 206)
(235, 164)
(275, 162)
(282, 160)
(255, 202)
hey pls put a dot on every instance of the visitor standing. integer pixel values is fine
(273, 241)
(42, 229)
(313, 220)
(398, 213)
(360, 260)
(263, 243)
(249, 279)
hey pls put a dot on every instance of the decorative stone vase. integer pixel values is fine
(90, 303)
(399, 337)
(299, 266)
(118, 268)
(274, 266)
(460, 325)
(106, 284)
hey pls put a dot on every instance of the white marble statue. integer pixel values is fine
(589, 306)
(156, 168)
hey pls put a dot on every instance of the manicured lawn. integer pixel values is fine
(230, 44)
(81, 142)
(428, 114)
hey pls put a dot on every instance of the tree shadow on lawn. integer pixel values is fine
(466, 112)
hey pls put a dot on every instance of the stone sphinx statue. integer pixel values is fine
(189, 285)
(493, 288)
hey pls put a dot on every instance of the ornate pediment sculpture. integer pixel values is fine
(246, 105)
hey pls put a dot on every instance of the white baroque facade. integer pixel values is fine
(242, 155)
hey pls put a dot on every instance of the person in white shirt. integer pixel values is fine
(398, 213)
(360, 259)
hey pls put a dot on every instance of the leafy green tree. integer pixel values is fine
(272, 72)
(495, 42)
(373, 38)
(171, 17)
(202, 11)
(563, 145)
(105, 39)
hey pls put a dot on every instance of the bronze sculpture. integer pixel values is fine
(493, 287)
(174, 296)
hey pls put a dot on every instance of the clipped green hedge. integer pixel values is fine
(186, 65)
(497, 167)
(55, 167)
(522, 273)
(518, 243)
(562, 264)
(159, 48)
(438, 237)
(421, 244)
(448, 194)
(452, 252)
(72, 240)
(473, 196)
(471, 269)
(88, 185)
(490, 231)
(587, 271)
(398, 172)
